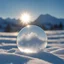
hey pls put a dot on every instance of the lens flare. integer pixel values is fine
(25, 18)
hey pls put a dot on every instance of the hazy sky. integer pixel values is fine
(13, 8)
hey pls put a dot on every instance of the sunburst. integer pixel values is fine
(25, 18)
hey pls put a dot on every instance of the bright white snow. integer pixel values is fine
(52, 54)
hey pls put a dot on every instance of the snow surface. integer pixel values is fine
(52, 54)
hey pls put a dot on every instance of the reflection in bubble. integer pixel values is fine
(31, 39)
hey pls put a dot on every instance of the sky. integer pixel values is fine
(14, 8)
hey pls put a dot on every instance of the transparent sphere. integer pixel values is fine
(31, 39)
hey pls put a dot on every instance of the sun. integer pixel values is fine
(25, 18)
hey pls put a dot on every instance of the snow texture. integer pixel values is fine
(52, 54)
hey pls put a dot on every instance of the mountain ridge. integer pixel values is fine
(47, 21)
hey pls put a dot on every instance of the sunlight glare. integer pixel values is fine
(25, 18)
(27, 51)
(28, 26)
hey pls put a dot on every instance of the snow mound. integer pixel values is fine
(59, 51)
(7, 58)
(49, 57)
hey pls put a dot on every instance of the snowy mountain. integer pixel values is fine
(8, 24)
(48, 19)
(49, 22)
(12, 21)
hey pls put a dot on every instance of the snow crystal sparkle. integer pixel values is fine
(31, 39)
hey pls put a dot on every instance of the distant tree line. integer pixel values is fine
(14, 28)
(54, 27)
(10, 28)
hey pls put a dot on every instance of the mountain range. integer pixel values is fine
(46, 20)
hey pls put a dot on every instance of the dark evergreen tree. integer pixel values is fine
(56, 27)
(51, 28)
(8, 28)
(43, 27)
(61, 25)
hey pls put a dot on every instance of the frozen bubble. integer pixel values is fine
(31, 39)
